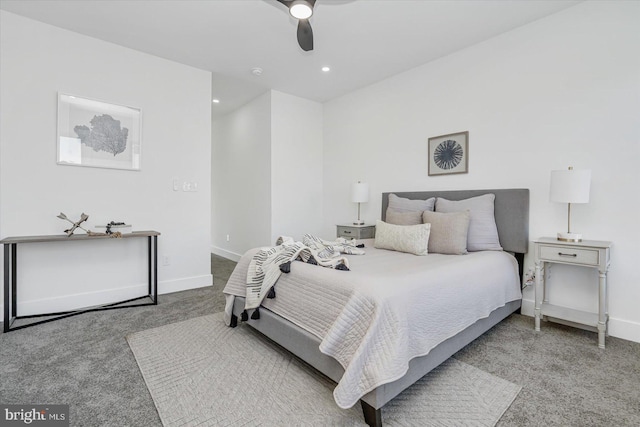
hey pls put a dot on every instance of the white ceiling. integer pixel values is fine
(362, 41)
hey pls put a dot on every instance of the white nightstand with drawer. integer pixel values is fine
(588, 253)
(356, 231)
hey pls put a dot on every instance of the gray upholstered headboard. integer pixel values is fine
(511, 212)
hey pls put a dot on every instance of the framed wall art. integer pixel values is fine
(98, 134)
(449, 154)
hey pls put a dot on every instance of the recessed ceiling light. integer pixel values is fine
(257, 71)
(216, 101)
(326, 69)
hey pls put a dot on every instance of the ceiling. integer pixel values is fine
(363, 41)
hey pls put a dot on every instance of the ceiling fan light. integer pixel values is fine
(301, 9)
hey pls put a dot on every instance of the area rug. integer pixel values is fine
(202, 373)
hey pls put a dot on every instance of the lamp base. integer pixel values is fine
(570, 237)
(358, 222)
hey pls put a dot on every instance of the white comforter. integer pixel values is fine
(390, 308)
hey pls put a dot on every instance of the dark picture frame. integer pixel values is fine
(448, 154)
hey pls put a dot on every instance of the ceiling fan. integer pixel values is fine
(302, 11)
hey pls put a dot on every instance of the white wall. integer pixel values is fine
(241, 179)
(562, 91)
(296, 166)
(37, 62)
(267, 173)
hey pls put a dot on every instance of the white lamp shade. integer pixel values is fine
(570, 186)
(360, 192)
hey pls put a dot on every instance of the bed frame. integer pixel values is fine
(512, 219)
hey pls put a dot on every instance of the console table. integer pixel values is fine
(11, 273)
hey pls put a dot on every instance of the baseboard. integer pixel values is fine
(528, 307)
(619, 328)
(624, 329)
(186, 283)
(225, 253)
(89, 299)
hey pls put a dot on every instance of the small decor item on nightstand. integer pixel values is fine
(359, 194)
(570, 186)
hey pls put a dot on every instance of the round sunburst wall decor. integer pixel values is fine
(448, 154)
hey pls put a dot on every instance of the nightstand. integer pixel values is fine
(588, 253)
(357, 231)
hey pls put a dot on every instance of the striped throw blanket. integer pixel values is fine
(265, 267)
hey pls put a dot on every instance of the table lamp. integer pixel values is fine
(570, 186)
(359, 194)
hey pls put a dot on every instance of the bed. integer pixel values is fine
(323, 324)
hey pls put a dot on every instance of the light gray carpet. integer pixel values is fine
(200, 372)
(85, 361)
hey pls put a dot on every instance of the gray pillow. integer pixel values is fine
(413, 239)
(402, 204)
(448, 234)
(403, 218)
(483, 232)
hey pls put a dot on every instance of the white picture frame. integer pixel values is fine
(98, 134)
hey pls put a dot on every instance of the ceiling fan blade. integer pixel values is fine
(285, 2)
(305, 35)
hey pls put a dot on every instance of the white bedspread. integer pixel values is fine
(390, 308)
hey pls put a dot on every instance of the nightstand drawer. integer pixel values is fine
(356, 232)
(569, 255)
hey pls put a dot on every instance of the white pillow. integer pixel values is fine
(413, 239)
(402, 204)
(483, 232)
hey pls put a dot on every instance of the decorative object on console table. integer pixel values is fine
(589, 253)
(570, 186)
(449, 154)
(98, 134)
(76, 224)
(356, 231)
(115, 227)
(359, 194)
(83, 218)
